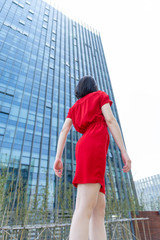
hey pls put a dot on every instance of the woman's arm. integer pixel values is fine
(116, 133)
(58, 165)
(62, 137)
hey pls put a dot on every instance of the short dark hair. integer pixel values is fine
(85, 85)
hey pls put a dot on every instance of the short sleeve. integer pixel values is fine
(104, 98)
(69, 115)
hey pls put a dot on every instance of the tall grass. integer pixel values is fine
(33, 209)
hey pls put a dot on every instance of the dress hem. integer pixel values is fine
(89, 180)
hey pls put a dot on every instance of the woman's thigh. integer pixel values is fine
(87, 195)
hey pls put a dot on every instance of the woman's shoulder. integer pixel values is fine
(82, 100)
(79, 101)
(91, 94)
(102, 92)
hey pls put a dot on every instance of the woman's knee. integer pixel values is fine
(99, 209)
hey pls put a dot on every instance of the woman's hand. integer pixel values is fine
(58, 167)
(127, 162)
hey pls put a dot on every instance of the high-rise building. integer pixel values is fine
(43, 54)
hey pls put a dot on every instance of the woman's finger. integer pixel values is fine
(127, 170)
(58, 172)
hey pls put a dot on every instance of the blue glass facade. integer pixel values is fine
(43, 54)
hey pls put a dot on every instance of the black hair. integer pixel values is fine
(85, 85)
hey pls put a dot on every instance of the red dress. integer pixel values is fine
(91, 149)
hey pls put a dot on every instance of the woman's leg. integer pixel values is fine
(87, 195)
(96, 225)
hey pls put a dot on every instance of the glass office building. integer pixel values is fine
(43, 54)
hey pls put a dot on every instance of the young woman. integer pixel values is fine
(91, 115)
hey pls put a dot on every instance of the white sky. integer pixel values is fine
(130, 33)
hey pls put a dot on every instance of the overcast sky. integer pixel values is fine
(130, 33)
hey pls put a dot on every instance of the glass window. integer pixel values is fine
(44, 164)
(25, 160)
